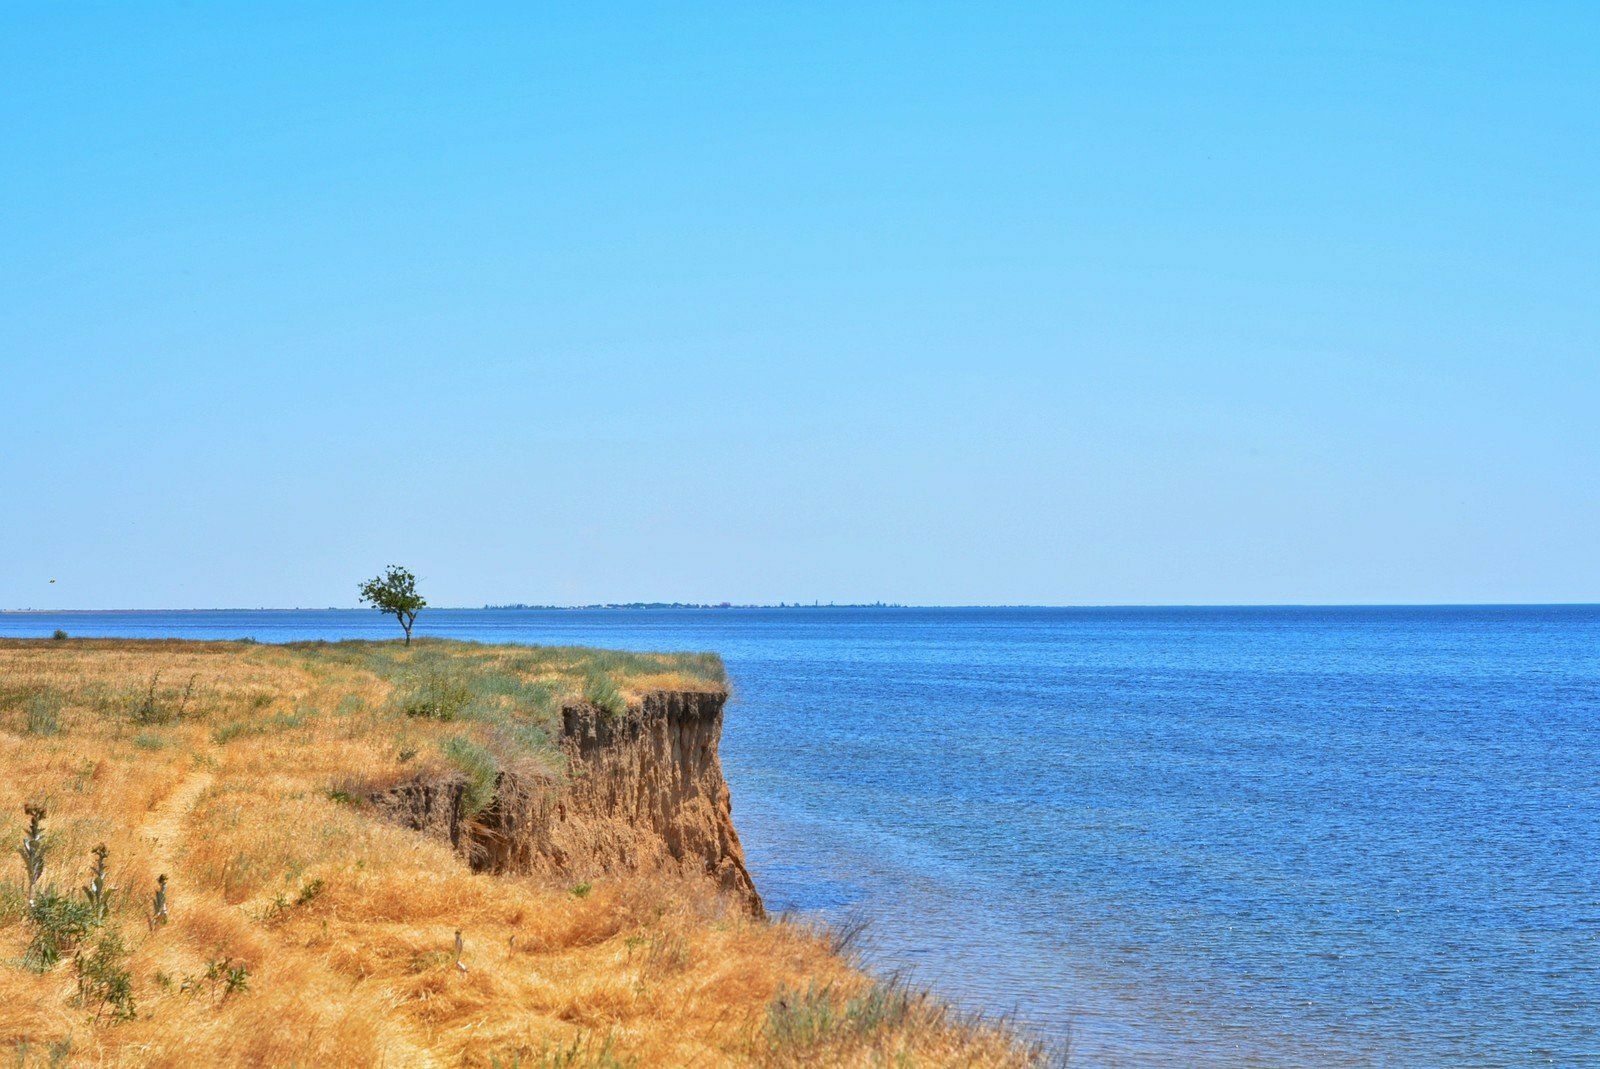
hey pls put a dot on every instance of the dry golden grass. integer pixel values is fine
(305, 931)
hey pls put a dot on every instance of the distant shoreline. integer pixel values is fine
(813, 606)
(635, 605)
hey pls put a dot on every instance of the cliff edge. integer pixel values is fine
(644, 792)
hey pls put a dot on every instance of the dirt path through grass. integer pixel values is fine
(164, 826)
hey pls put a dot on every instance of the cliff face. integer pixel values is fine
(644, 792)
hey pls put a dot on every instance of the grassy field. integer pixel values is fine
(303, 930)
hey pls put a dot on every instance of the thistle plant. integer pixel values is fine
(32, 849)
(98, 891)
(159, 914)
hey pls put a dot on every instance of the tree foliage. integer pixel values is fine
(394, 593)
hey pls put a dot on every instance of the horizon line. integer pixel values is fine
(886, 606)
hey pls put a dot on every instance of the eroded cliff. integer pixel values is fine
(644, 791)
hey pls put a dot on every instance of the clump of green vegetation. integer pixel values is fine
(40, 707)
(799, 1021)
(480, 768)
(223, 978)
(156, 707)
(60, 635)
(59, 923)
(244, 728)
(43, 711)
(56, 1053)
(282, 904)
(436, 694)
(147, 710)
(104, 979)
(601, 690)
(507, 691)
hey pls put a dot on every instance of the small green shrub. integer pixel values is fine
(235, 979)
(104, 979)
(282, 904)
(223, 977)
(480, 768)
(60, 635)
(149, 740)
(154, 707)
(147, 710)
(60, 922)
(436, 694)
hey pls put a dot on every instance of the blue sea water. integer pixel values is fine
(1263, 836)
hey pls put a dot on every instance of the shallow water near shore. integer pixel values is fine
(1362, 836)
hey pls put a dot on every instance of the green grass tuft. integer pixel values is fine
(43, 711)
(480, 768)
(602, 691)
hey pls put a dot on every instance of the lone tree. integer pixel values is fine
(394, 593)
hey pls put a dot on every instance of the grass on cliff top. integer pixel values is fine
(305, 930)
(435, 706)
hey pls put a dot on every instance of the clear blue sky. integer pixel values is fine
(1052, 303)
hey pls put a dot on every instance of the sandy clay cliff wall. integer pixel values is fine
(644, 792)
